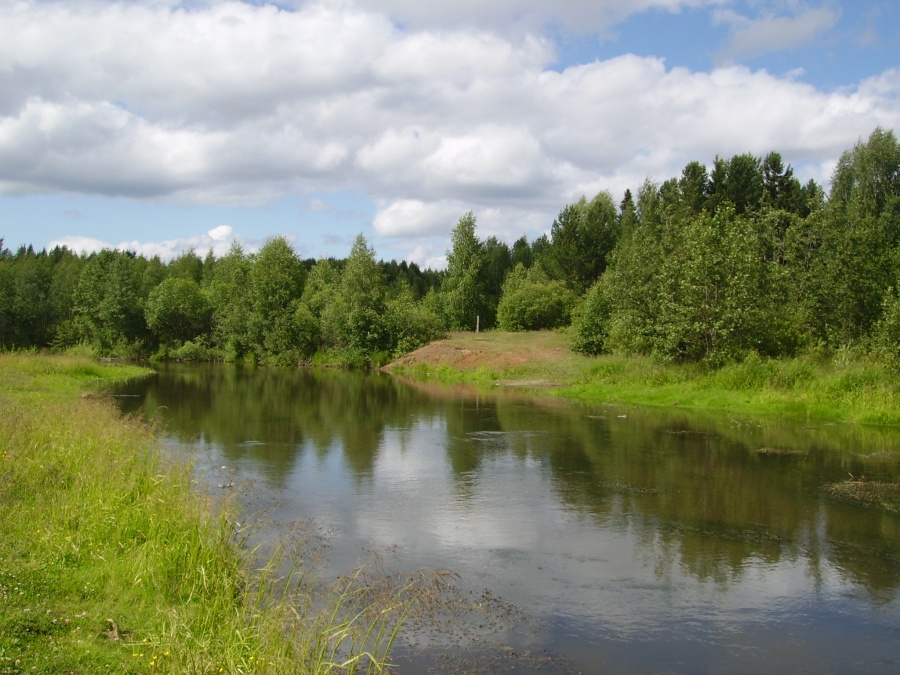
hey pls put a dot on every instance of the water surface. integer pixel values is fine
(630, 540)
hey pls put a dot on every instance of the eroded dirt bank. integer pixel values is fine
(497, 352)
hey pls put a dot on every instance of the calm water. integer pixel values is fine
(630, 540)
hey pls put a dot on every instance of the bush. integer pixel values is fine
(308, 333)
(592, 323)
(292, 339)
(886, 336)
(532, 301)
(411, 324)
(194, 350)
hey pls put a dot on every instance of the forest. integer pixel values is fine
(708, 266)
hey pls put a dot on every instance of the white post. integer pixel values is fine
(477, 323)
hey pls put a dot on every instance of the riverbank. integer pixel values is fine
(111, 558)
(835, 388)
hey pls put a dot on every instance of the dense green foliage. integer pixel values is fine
(582, 237)
(745, 259)
(177, 310)
(463, 296)
(533, 301)
(269, 307)
(708, 266)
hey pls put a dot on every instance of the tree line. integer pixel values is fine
(708, 266)
(267, 307)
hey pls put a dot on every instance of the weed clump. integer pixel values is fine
(882, 495)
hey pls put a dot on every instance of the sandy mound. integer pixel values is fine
(494, 351)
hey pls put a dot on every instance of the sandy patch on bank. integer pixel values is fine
(496, 352)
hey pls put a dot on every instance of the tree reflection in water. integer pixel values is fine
(616, 507)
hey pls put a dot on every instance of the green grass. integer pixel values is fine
(858, 389)
(111, 560)
(448, 375)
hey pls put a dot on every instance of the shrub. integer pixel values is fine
(592, 324)
(411, 324)
(886, 336)
(530, 300)
(194, 350)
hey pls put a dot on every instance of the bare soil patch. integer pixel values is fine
(497, 352)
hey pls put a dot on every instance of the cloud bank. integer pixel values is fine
(219, 240)
(230, 103)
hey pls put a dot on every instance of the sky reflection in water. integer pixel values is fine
(636, 540)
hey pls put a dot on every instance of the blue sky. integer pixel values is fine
(160, 125)
(864, 39)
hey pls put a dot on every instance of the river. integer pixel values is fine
(599, 538)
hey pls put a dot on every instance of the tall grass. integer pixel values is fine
(111, 559)
(856, 390)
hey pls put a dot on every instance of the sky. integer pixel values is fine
(162, 126)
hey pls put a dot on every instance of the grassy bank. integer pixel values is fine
(825, 389)
(834, 388)
(111, 561)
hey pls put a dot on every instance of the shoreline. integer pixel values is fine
(111, 559)
(542, 364)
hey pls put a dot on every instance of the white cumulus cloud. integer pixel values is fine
(219, 240)
(575, 15)
(231, 103)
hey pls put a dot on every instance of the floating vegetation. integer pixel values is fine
(449, 629)
(785, 452)
(876, 494)
(505, 659)
(686, 432)
(490, 436)
(378, 619)
(627, 488)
